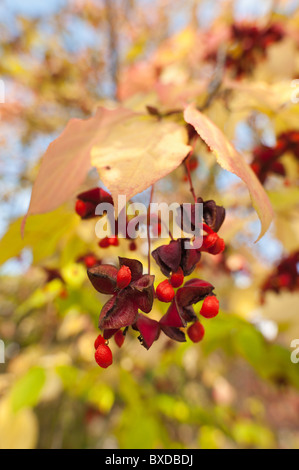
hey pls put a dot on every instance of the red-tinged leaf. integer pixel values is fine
(172, 317)
(103, 278)
(149, 329)
(228, 157)
(188, 314)
(168, 257)
(95, 195)
(143, 283)
(68, 159)
(144, 292)
(135, 266)
(174, 333)
(109, 333)
(144, 300)
(118, 312)
(213, 215)
(190, 258)
(193, 291)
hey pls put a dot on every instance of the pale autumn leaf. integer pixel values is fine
(261, 95)
(280, 60)
(18, 430)
(229, 158)
(131, 151)
(137, 152)
(136, 79)
(67, 160)
(176, 48)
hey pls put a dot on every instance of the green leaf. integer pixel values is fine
(26, 391)
(43, 234)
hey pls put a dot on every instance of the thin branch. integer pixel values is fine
(149, 232)
(216, 81)
(187, 167)
(113, 45)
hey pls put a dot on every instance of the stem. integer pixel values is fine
(186, 163)
(113, 44)
(216, 81)
(148, 232)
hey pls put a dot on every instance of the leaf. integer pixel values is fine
(261, 95)
(17, 430)
(193, 291)
(228, 157)
(118, 312)
(67, 160)
(58, 223)
(132, 147)
(103, 278)
(120, 143)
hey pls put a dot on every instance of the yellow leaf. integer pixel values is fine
(42, 235)
(17, 430)
(137, 152)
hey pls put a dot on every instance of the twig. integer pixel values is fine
(187, 166)
(149, 232)
(216, 81)
(113, 45)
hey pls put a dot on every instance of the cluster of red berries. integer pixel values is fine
(88, 201)
(209, 309)
(103, 354)
(131, 291)
(86, 208)
(285, 276)
(248, 45)
(266, 159)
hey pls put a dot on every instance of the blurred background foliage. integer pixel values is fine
(236, 389)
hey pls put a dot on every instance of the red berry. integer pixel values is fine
(103, 356)
(119, 338)
(218, 247)
(113, 241)
(165, 291)
(90, 261)
(210, 307)
(99, 340)
(157, 229)
(104, 243)
(177, 278)
(124, 277)
(84, 208)
(196, 332)
(80, 208)
(132, 246)
(256, 167)
(193, 164)
(284, 280)
(208, 241)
